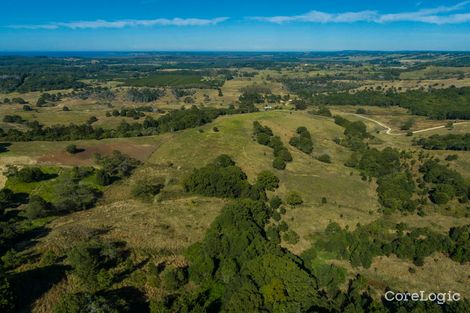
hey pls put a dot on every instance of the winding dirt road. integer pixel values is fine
(388, 129)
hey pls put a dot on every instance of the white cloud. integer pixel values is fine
(439, 15)
(126, 23)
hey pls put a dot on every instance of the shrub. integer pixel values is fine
(10, 259)
(439, 197)
(273, 234)
(283, 227)
(291, 237)
(174, 278)
(276, 216)
(452, 157)
(91, 120)
(323, 111)
(48, 258)
(325, 158)
(86, 303)
(293, 198)
(275, 202)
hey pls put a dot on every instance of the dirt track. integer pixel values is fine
(388, 129)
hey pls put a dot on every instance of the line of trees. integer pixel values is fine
(264, 136)
(173, 121)
(459, 142)
(368, 241)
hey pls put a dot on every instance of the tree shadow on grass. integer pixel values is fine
(30, 285)
(122, 275)
(4, 146)
(135, 299)
(29, 238)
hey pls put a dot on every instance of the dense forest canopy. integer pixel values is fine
(448, 103)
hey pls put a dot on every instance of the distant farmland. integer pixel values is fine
(186, 80)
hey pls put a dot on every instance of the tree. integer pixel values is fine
(275, 202)
(73, 196)
(117, 165)
(174, 278)
(303, 141)
(147, 188)
(88, 260)
(72, 149)
(293, 198)
(6, 199)
(300, 104)
(86, 303)
(279, 163)
(267, 180)
(37, 207)
(263, 139)
(224, 160)
(6, 294)
(103, 178)
(30, 174)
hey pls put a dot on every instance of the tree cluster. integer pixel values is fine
(458, 142)
(303, 140)
(446, 184)
(265, 136)
(222, 178)
(144, 94)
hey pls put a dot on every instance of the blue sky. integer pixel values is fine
(241, 25)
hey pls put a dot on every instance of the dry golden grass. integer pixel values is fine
(438, 274)
(162, 227)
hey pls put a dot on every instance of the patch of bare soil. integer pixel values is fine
(86, 157)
